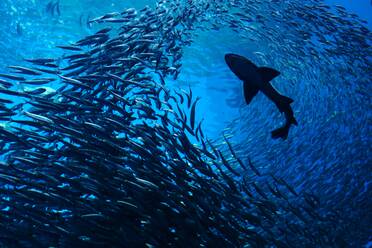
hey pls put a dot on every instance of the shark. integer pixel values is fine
(257, 79)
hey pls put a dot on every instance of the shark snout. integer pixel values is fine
(234, 62)
(229, 58)
(243, 68)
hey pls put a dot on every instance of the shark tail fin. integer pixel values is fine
(281, 132)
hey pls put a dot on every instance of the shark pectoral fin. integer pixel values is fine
(249, 92)
(267, 74)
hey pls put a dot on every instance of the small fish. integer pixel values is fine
(71, 48)
(227, 165)
(253, 168)
(189, 97)
(5, 84)
(19, 29)
(38, 117)
(24, 70)
(74, 82)
(40, 81)
(12, 77)
(57, 8)
(234, 154)
(40, 61)
(199, 129)
(36, 91)
(192, 114)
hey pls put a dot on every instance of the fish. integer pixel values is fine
(192, 114)
(39, 81)
(19, 29)
(40, 61)
(74, 82)
(53, 7)
(57, 8)
(70, 48)
(12, 77)
(5, 84)
(24, 70)
(258, 79)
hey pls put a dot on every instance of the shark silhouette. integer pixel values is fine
(258, 79)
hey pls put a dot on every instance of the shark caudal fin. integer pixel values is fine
(249, 91)
(267, 74)
(281, 132)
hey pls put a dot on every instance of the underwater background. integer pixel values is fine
(90, 158)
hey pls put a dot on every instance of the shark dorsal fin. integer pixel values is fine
(267, 74)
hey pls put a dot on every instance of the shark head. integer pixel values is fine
(243, 68)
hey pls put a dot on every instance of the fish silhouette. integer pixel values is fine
(258, 79)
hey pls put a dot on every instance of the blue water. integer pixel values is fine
(328, 153)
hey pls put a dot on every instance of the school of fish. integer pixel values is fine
(112, 157)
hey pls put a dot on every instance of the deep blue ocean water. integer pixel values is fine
(328, 153)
